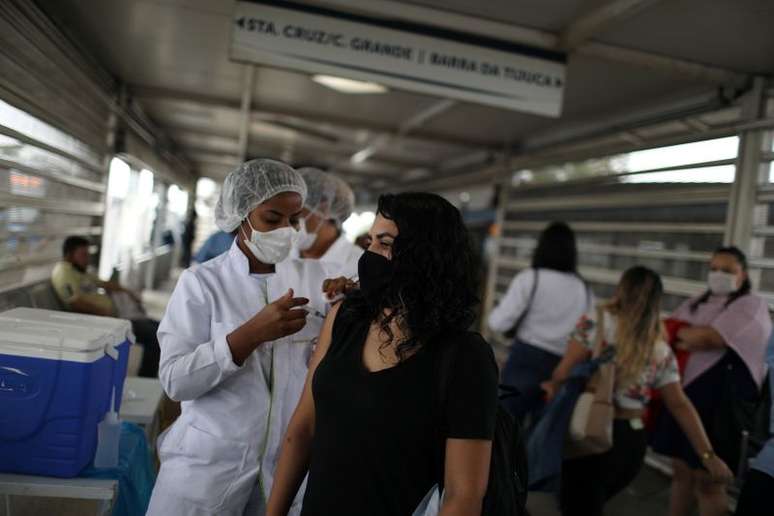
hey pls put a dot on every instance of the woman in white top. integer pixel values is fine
(235, 343)
(541, 307)
(643, 361)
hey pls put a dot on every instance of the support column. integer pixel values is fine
(749, 173)
(246, 110)
(104, 269)
(503, 179)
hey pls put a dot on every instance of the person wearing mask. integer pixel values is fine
(726, 336)
(369, 427)
(330, 203)
(541, 307)
(215, 245)
(235, 343)
(79, 291)
(643, 361)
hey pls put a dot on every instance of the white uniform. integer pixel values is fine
(219, 457)
(344, 255)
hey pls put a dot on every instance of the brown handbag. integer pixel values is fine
(591, 427)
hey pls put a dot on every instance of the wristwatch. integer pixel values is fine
(707, 455)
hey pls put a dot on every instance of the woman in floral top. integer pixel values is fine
(643, 361)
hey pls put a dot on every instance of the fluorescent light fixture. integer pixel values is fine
(351, 86)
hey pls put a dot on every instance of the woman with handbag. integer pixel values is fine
(539, 311)
(630, 324)
(726, 334)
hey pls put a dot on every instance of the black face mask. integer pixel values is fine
(375, 273)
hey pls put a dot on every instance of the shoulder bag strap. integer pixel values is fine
(517, 325)
(599, 338)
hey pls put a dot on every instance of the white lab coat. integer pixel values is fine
(219, 457)
(343, 255)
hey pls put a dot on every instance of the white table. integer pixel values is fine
(140, 404)
(103, 490)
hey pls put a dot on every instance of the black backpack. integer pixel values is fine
(506, 493)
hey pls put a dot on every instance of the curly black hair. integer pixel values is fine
(434, 282)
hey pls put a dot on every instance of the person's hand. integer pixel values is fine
(682, 345)
(337, 286)
(718, 470)
(549, 388)
(279, 318)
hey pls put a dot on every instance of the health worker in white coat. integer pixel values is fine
(330, 202)
(235, 343)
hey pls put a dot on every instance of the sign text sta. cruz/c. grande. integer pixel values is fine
(320, 41)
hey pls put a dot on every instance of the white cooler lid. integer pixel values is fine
(68, 343)
(120, 329)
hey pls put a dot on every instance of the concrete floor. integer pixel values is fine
(647, 496)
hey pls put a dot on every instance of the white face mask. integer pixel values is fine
(722, 283)
(304, 239)
(270, 247)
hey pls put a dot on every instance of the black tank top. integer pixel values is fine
(375, 444)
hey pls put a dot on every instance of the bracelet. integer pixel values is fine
(707, 455)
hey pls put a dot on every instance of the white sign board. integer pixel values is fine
(415, 58)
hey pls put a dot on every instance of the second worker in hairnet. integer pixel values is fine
(329, 203)
(235, 344)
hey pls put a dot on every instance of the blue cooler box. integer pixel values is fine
(55, 387)
(119, 330)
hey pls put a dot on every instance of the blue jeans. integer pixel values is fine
(527, 367)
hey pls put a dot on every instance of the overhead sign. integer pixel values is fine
(410, 57)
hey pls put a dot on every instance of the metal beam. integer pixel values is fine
(664, 64)
(739, 222)
(246, 110)
(412, 123)
(447, 18)
(275, 113)
(394, 10)
(622, 227)
(423, 116)
(594, 22)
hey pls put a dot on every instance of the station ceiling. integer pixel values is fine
(623, 56)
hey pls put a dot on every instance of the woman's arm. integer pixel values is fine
(686, 416)
(296, 448)
(700, 338)
(510, 308)
(466, 475)
(574, 355)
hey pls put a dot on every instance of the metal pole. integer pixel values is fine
(247, 98)
(739, 218)
(504, 181)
